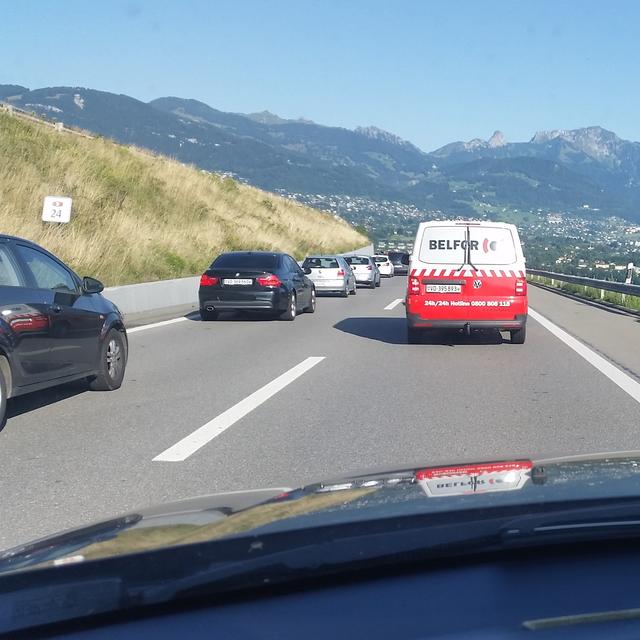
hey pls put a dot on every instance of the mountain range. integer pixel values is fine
(590, 171)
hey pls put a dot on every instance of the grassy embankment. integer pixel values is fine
(138, 217)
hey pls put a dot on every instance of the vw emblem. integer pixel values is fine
(477, 284)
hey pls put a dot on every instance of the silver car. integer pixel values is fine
(365, 270)
(330, 274)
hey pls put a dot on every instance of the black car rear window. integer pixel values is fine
(263, 261)
(396, 258)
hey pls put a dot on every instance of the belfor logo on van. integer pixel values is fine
(448, 245)
(489, 245)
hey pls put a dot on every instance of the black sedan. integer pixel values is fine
(256, 281)
(400, 262)
(54, 326)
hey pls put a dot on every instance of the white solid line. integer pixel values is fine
(394, 304)
(625, 382)
(144, 327)
(191, 443)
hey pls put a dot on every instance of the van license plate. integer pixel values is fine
(444, 288)
(234, 281)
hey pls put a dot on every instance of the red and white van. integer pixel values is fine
(467, 275)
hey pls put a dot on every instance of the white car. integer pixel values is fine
(330, 274)
(365, 270)
(384, 266)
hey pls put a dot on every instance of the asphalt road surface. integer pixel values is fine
(245, 403)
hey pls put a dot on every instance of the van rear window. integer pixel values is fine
(489, 245)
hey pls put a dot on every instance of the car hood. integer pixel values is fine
(362, 497)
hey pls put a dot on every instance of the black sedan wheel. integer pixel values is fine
(113, 358)
(291, 311)
(312, 302)
(3, 399)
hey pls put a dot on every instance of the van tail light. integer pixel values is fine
(521, 287)
(269, 281)
(208, 281)
(341, 273)
(414, 286)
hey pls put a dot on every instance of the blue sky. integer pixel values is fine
(432, 72)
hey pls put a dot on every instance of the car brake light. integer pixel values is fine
(521, 287)
(414, 285)
(341, 272)
(208, 281)
(269, 281)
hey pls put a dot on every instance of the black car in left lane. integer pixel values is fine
(255, 281)
(55, 327)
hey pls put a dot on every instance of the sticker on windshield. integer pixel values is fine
(474, 478)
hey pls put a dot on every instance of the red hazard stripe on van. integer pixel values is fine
(467, 273)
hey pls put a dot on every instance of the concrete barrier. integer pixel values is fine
(149, 297)
(365, 251)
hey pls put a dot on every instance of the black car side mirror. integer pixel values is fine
(91, 285)
(306, 270)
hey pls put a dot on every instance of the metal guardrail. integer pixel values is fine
(594, 283)
(31, 116)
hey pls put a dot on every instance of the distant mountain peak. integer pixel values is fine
(380, 134)
(497, 140)
(594, 141)
(266, 117)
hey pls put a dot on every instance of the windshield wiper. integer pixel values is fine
(467, 251)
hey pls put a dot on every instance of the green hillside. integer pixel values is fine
(139, 217)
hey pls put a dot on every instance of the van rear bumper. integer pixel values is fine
(415, 321)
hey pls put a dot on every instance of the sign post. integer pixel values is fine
(629, 273)
(56, 209)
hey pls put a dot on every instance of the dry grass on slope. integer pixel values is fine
(138, 217)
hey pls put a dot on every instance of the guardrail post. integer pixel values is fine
(601, 294)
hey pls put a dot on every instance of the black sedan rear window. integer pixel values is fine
(263, 261)
(396, 258)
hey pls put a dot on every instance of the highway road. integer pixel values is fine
(244, 403)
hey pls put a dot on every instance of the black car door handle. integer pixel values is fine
(56, 308)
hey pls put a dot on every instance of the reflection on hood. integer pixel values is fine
(367, 497)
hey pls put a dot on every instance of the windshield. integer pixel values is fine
(245, 261)
(266, 262)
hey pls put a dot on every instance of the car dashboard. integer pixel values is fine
(567, 592)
